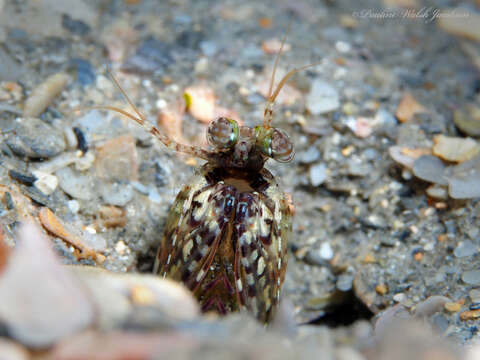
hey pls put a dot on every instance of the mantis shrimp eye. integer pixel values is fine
(282, 147)
(275, 143)
(222, 133)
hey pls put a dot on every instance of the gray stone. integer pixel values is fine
(464, 182)
(76, 184)
(35, 139)
(471, 277)
(345, 282)
(322, 98)
(465, 248)
(117, 194)
(431, 169)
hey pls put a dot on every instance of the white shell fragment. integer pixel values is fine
(455, 148)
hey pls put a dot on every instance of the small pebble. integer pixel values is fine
(117, 159)
(201, 66)
(407, 156)
(381, 289)
(474, 295)
(344, 282)
(208, 48)
(323, 98)
(430, 168)
(76, 185)
(347, 353)
(474, 306)
(84, 71)
(468, 119)
(46, 183)
(452, 306)
(71, 139)
(112, 216)
(93, 123)
(437, 192)
(455, 148)
(44, 94)
(82, 143)
(142, 189)
(77, 27)
(400, 297)
(471, 277)
(470, 315)
(311, 155)
(407, 108)
(318, 174)
(326, 251)
(272, 46)
(465, 248)
(464, 182)
(154, 196)
(120, 247)
(151, 57)
(343, 47)
(35, 139)
(116, 194)
(73, 206)
(85, 162)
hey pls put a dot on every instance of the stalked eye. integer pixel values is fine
(222, 133)
(282, 147)
(274, 143)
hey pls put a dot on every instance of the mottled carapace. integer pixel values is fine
(227, 231)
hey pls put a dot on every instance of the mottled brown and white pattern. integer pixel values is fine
(228, 246)
(227, 231)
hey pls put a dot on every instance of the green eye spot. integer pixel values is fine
(223, 133)
(264, 140)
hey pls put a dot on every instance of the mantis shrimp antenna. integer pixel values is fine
(268, 113)
(142, 120)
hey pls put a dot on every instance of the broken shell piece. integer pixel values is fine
(455, 148)
(54, 225)
(46, 183)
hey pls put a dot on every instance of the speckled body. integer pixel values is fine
(227, 232)
(226, 240)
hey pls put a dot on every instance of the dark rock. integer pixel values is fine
(84, 71)
(152, 56)
(76, 27)
(190, 39)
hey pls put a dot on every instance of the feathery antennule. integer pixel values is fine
(268, 113)
(142, 120)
